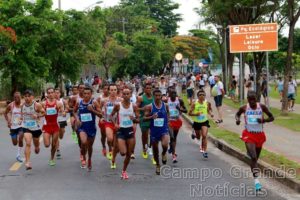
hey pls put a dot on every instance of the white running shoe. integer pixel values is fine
(149, 151)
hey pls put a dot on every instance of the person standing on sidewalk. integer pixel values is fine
(264, 89)
(253, 135)
(218, 93)
(279, 87)
(199, 112)
(292, 91)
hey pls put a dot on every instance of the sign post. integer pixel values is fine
(253, 38)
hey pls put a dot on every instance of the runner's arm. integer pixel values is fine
(182, 107)
(209, 110)
(192, 109)
(95, 108)
(269, 114)
(6, 116)
(239, 113)
(137, 114)
(148, 115)
(139, 102)
(40, 109)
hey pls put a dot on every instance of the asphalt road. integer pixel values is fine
(219, 177)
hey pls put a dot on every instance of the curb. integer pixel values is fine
(277, 173)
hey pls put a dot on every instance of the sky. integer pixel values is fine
(190, 18)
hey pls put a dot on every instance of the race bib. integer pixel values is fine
(16, 121)
(127, 123)
(201, 117)
(174, 113)
(30, 124)
(51, 111)
(87, 117)
(109, 110)
(159, 122)
(252, 119)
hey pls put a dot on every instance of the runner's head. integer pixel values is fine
(50, 93)
(126, 94)
(172, 94)
(251, 96)
(157, 95)
(105, 90)
(113, 90)
(87, 93)
(201, 95)
(75, 90)
(57, 93)
(81, 87)
(28, 96)
(148, 88)
(217, 78)
(17, 97)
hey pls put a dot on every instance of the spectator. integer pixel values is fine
(232, 89)
(264, 89)
(292, 91)
(279, 87)
(218, 93)
(190, 89)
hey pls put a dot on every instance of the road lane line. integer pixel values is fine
(16, 166)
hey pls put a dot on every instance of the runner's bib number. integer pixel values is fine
(174, 113)
(51, 111)
(16, 121)
(252, 119)
(201, 117)
(126, 123)
(30, 124)
(159, 122)
(87, 117)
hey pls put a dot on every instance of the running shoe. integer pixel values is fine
(104, 152)
(52, 163)
(201, 150)
(58, 155)
(258, 186)
(174, 158)
(19, 159)
(132, 156)
(157, 171)
(83, 164)
(164, 159)
(193, 136)
(28, 166)
(37, 150)
(149, 151)
(145, 155)
(124, 175)
(74, 136)
(113, 165)
(89, 164)
(109, 155)
(205, 155)
(153, 161)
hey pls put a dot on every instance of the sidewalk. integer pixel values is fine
(280, 140)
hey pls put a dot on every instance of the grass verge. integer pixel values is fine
(275, 94)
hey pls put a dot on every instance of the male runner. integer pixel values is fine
(176, 106)
(13, 117)
(127, 115)
(101, 120)
(158, 113)
(51, 128)
(31, 112)
(142, 101)
(62, 120)
(108, 105)
(71, 103)
(87, 109)
(200, 110)
(253, 135)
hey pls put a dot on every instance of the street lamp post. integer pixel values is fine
(225, 54)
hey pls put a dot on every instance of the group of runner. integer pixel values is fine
(157, 110)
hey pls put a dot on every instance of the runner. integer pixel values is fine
(200, 110)
(253, 135)
(31, 112)
(176, 106)
(62, 120)
(72, 103)
(13, 117)
(51, 128)
(101, 120)
(143, 101)
(133, 100)
(87, 109)
(108, 105)
(158, 113)
(127, 115)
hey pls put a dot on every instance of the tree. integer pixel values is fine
(293, 13)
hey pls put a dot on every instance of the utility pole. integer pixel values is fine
(123, 24)
(59, 4)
